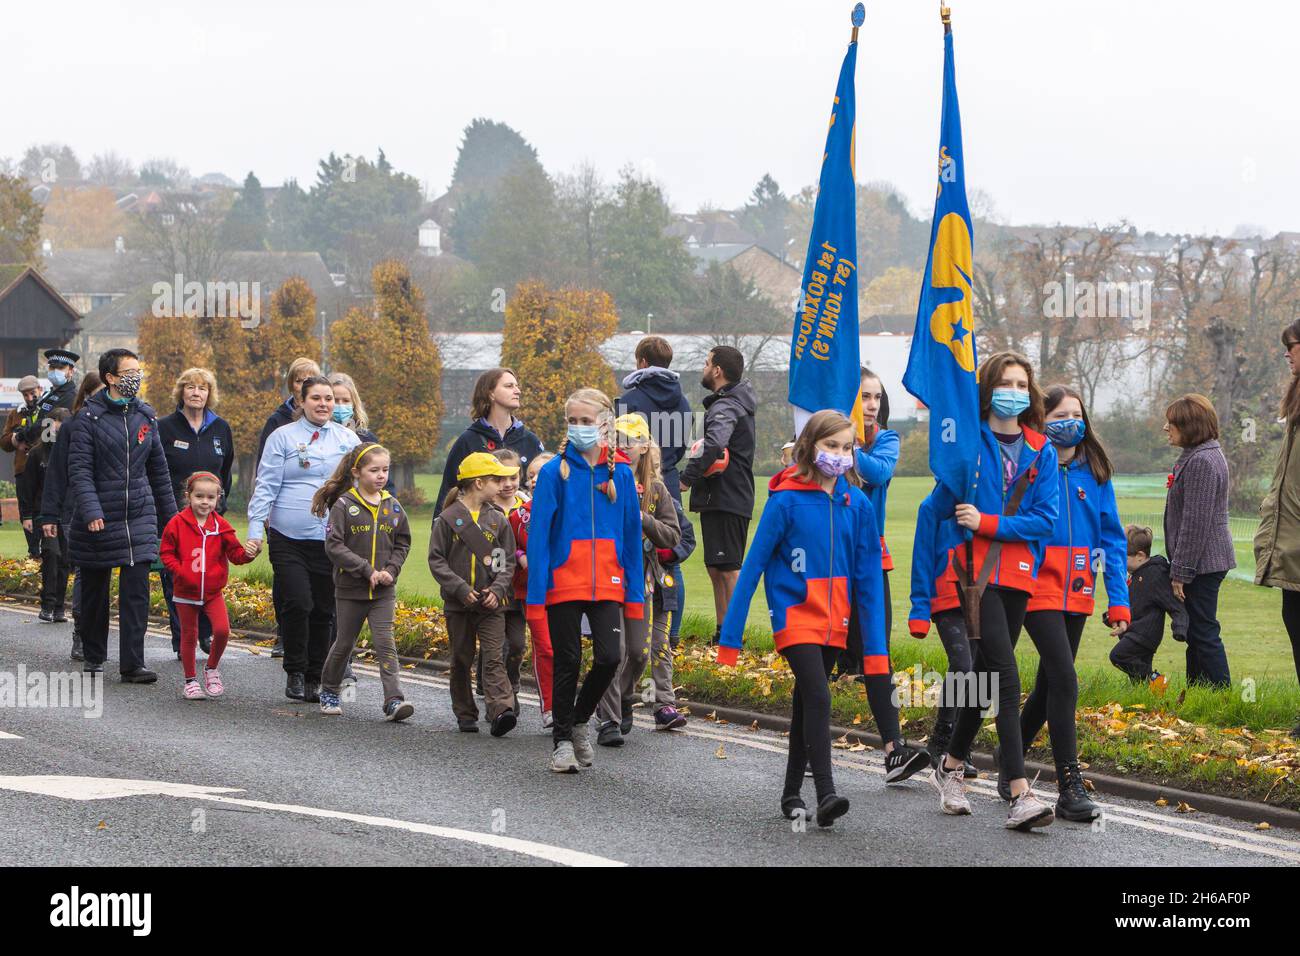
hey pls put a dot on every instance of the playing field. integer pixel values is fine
(1251, 617)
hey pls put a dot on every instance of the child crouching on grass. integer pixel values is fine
(367, 539)
(197, 548)
(472, 557)
(1151, 596)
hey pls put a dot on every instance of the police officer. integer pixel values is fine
(62, 374)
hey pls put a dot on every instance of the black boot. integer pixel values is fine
(294, 686)
(939, 739)
(311, 691)
(78, 653)
(1074, 804)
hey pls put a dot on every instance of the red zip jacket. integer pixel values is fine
(519, 519)
(199, 558)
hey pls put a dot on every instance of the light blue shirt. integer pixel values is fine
(284, 488)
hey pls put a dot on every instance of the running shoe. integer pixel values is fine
(192, 690)
(330, 704)
(952, 791)
(212, 685)
(398, 710)
(831, 808)
(608, 734)
(562, 758)
(1028, 812)
(903, 761)
(669, 717)
(582, 749)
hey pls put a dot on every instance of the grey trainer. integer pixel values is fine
(562, 759)
(951, 785)
(582, 744)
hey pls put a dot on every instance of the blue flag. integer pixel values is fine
(824, 368)
(941, 366)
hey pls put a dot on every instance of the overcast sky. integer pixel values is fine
(1169, 114)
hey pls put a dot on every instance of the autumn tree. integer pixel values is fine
(552, 341)
(392, 337)
(894, 292)
(20, 221)
(83, 218)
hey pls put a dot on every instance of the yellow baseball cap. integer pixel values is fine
(633, 426)
(482, 465)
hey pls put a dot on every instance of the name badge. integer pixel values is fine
(182, 445)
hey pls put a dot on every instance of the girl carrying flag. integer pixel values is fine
(1009, 522)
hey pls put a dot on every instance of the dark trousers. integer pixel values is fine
(132, 609)
(1207, 661)
(1291, 618)
(205, 626)
(305, 581)
(569, 705)
(55, 568)
(1056, 635)
(25, 490)
(810, 718)
(1002, 614)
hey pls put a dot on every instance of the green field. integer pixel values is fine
(1251, 617)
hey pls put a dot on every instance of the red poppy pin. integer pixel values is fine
(491, 445)
(1083, 495)
(1169, 482)
(142, 434)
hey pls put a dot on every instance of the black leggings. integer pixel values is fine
(810, 721)
(1002, 614)
(1291, 618)
(880, 687)
(565, 623)
(1055, 696)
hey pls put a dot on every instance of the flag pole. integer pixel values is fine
(857, 18)
(945, 15)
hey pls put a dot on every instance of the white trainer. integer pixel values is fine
(562, 759)
(582, 745)
(952, 790)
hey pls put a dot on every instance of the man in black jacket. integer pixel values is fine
(724, 498)
(118, 473)
(655, 392)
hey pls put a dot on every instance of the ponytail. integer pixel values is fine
(340, 483)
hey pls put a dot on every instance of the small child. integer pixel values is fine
(472, 557)
(510, 500)
(55, 566)
(197, 548)
(1150, 597)
(367, 539)
(660, 529)
(543, 656)
(787, 454)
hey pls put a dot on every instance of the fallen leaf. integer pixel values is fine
(102, 825)
(1089, 785)
(857, 719)
(754, 725)
(1263, 826)
(720, 753)
(1162, 802)
(857, 748)
(713, 715)
(1184, 807)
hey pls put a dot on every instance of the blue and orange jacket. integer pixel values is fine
(1089, 539)
(1023, 535)
(582, 546)
(876, 467)
(817, 553)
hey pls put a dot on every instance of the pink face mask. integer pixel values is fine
(832, 466)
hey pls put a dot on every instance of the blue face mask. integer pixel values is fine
(583, 437)
(57, 377)
(1067, 432)
(1009, 402)
(342, 414)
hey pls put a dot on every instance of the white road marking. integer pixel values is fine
(107, 788)
(5, 736)
(1187, 827)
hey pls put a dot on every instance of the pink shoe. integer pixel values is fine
(192, 690)
(212, 682)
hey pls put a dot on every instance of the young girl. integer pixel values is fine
(472, 557)
(367, 541)
(509, 500)
(543, 658)
(1090, 539)
(661, 530)
(197, 549)
(1008, 524)
(817, 548)
(584, 559)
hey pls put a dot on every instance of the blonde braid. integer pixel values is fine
(610, 491)
(564, 464)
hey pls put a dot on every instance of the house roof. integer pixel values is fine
(709, 229)
(12, 276)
